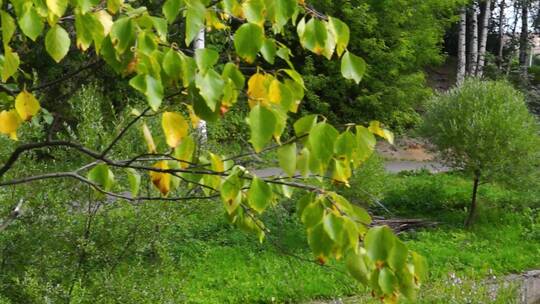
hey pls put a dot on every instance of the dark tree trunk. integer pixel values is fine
(524, 41)
(472, 210)
(502, 8)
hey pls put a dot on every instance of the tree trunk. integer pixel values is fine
(202, 131)
(483, 39)
(462, 47)
(513, 37)
(472, 210)
(524, 41)
(502, 8)
(473, 44)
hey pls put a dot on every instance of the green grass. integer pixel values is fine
(187, 252)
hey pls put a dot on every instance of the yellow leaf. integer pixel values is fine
(161, 180)
(106, 21)
(175, 128)
(9, 122)
(257, 88)
(149, 139)
(195, 120)
(375, 128)
(274, 92)
(26, 105)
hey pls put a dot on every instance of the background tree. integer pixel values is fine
(485, 129)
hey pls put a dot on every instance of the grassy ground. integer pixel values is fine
(171, 253)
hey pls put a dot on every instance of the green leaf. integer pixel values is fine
(232, 72)
(171, 9)
(123, 34)
(11, 64)
(262, 123)
(302, 162)
(134, 179)
(248, 41)
(284, 10)
(184, 152)
(303, 202)
(172, 64)
(153, 92)
(353, 67)
(398, 256)
(321, 244)
(287, 158)
(341, 33)
(86, 5)
(57, 42)
(31, 23)
(379, 242)
(8, 27)
(387, 281)
(253, 10)
(345, 145)
(206, 58)
(57, 7)
(230, 190)
(304, 125)
(268, 50)
(295, 76)
(312, 214)
(366, 144)
(146, 43)
(114, 6)
(259, 195)
(420, 266)
(210, 86)
(88, 29)
(102, 176)
(195, 11)
(321, 140)
(160, 25)
(358, 267)
(314, 35)
(333, 225)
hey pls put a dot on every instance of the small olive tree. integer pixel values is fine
(485, 129)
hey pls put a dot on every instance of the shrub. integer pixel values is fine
(485, 129)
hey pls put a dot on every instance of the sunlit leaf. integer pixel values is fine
(57, 42)
(9, 122)
(262, 123)
(287, 158)
(161, 180)
(259, 195)
(134, 179)
(102, 176)
(353, 67)
(27, 105)
(175, 128)
(248, 41)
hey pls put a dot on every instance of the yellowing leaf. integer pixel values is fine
(257, 89)
(161, 180)
(274, 92)
(9, 122)
(175, 128)
(149, 139)
(195, 120)
(375, 128)
(26, 105)
(106, 21)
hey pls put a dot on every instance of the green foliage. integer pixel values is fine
(397, 39)
(485, 129)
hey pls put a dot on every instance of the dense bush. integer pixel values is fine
(485, 129)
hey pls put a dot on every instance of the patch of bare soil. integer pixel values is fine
(406, 149)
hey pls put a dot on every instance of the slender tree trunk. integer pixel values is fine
(202, 131)
(524, 41)
(472, 210)
(513, 37)
(483, 39)
(462, 47)
(502, 21)
(473, 44)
